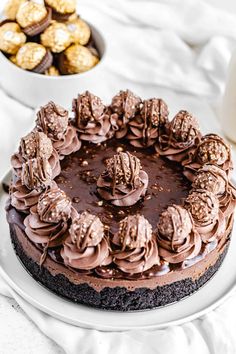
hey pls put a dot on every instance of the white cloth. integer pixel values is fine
(154, 46)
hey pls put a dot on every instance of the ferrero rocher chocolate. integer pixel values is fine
(56, 37)
(30, 13)
(80, 31)
(62, 6)
(11, 37)
(30, 55)
(77, 59)
(13, 59)
(11, 8)
(52, 71)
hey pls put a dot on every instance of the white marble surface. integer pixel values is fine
(18, 334)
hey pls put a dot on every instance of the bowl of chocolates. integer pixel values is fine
(48, 50)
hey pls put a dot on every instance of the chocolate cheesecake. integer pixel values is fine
(118, 207)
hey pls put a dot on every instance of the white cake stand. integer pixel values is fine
(214, 293)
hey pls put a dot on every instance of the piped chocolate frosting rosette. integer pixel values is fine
(212, 149)
(48, 221)
(91, 120)
(124, 107)
(145, 127)
(53, 120)
(86, 246)
(36, 176)
(123, 182)
(33, 145)
(208, 218)
(181, 134)
(136, 248)
(177, 238)
(213, 179)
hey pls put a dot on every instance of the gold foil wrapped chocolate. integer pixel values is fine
(56, 37)
(30, 55)
(80, 31)
(11, 37)
(62, 6)
(12, 58)
(77, 59)
(11, 8)
(30, 13)
(52, 71)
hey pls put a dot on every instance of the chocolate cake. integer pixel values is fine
(119, 207)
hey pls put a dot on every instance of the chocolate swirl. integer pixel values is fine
(123, 182)
(86, 246)
(136, 248)
(69, 143)
(49, 220)
(180, 136)
(177, 238)
(144, 128)
(124, 107)
(207, 216)
(92, 122)
(212, 149)
(33, 145)
(22, 198)
(36, 176)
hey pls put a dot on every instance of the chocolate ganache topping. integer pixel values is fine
(123, 182)
(136, 248)
(33, 145)
(145, 127)
(86, 246)
(53, 120)
(91, 120)
(213, 179)
(180, 135)
(35, 177)
(48, 222)
(212, 149)
(177, 238)
(208, 218)
(124, 107)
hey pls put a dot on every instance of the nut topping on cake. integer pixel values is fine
(36, 173)
(52, 119)
(134, 232)
(87, 108)
(36, 144)
(145, 126)
(54, 206)
(124, 168)
(213, 149)
(177, 238)
(125, 104)
(203, 206)
(211, 178)
(155, 111)
(184, 127)
(123, 182)
(175, 224)
(86, 230)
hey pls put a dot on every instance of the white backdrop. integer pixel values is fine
(149, 53)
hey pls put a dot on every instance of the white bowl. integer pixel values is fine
(35, 89)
